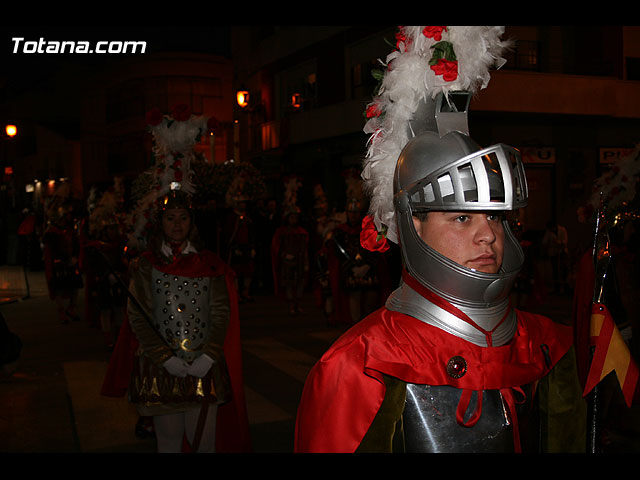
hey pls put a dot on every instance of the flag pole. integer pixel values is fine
(601, 261)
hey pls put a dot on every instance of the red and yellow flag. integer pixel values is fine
(610, 353)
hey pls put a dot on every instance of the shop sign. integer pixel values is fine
(613, 154)
(538, 154)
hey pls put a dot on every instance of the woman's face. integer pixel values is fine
(176, 224)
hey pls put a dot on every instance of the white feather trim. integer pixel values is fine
(408, 79)
(173, 141)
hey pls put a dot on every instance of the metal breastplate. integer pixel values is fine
(430, 426)
(181, 312)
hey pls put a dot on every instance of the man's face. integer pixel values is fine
(473, 240)
(176, 224)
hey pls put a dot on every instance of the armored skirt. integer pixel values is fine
(180, 309)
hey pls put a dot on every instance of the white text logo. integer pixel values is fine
(68, 46)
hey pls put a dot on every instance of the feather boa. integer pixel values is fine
(408, 80)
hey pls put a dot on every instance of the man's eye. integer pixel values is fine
(461, 218)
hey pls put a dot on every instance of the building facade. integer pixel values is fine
(567, 97)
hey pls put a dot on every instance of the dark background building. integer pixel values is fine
(568, 98)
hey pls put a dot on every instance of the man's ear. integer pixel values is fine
(417, 224)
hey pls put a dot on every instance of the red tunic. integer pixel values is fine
(345, 388)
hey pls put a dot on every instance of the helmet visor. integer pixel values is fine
(489, 179)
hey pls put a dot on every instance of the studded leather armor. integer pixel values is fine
(176, 316)
(180, 312)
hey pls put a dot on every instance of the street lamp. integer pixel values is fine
(242, 97)
(296, 101)
(11, 130)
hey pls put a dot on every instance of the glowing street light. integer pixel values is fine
(243, 98)
(11, 130)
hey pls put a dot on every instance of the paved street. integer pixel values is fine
(51, 403)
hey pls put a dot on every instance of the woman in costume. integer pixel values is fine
(178, 354)
(180, 321)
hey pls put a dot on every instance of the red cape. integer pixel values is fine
(232, 429)
(345, 389)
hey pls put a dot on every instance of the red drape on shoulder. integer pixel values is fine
(344, 390)
(27, 226)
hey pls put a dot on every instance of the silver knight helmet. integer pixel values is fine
(420, 158)
(442, 169)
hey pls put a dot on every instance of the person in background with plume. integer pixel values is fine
(290, 250)
(179, 350)
(104, 257)
(61, 254)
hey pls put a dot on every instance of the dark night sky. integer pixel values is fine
(47, 87)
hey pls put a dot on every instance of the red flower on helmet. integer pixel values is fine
(434, 32)
(447, 68)
(401, 37)
(373, 110)
(370, 238)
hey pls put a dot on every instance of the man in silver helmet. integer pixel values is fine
(447, 365)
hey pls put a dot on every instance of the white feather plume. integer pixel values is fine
(409, 79)
(173, 141)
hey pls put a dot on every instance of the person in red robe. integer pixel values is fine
(358, 278)
(239, 246)
(61, 261)
(290, 260)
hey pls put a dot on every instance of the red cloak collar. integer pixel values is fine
(201, 264)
